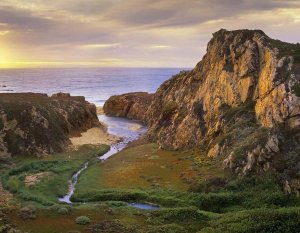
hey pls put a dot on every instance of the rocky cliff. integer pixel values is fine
(239, 67)
(131, 105)
(35, 124)
(240, 103)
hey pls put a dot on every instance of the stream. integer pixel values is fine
(128, 130)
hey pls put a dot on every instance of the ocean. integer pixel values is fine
(96, 84)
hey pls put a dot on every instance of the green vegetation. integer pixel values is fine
(168, 108)
(241, 131)
(287, 49)
(1, 123)
(27, 212)
(140, 167)
(283, 220)
(44, 180)
(232, 113)
(13, 141)
(193, 191)
(83, 220)
(296, 89)
(36, 122)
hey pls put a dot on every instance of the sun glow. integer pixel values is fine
(4, 58)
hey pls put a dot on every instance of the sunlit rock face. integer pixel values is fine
(239, 67)
(35, 124)
(240, 104)
(131, 105)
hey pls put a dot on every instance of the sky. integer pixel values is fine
(131, 33)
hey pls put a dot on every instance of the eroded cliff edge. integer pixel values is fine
(240, 103)
(131, 105)
(35, 124)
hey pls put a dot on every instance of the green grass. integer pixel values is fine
(141, 167)
(221, 202)
(283, 220)
(214, 189)
(58, 168)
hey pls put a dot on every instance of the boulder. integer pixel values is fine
(131, 105)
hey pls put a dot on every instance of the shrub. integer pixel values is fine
(168, 228)
(82, 220)
(111, 195)
(108, 226)
(285, 220)
(216, 202)
(178, 214)
(168, 108)
(1, 123)
(296, 89)
(63, 211)
(27, 212)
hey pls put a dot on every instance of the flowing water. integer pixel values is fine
(144, 206)
(96, 85)
(128, 130)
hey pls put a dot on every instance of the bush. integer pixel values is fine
(63, 211)
(285, 220)
(82, 220)
(216, 202)
(168, 228)
(108, 226)
(27, 212)
(296, 89)
(178, 214)
(111, 195)
(168, 108)
(5, 158)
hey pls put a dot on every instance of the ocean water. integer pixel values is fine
(96, 84)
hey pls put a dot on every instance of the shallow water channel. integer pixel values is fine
(128, 130)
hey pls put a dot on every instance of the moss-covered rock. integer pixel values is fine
(35, 124)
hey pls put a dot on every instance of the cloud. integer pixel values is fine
(160, 47)
(137, 32)
(180, 13)
(100, 46)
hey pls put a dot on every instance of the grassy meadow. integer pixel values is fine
(194, 192)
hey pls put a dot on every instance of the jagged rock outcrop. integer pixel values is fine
(36, 124)
(131, 105)
(239, 67)
(240, 103)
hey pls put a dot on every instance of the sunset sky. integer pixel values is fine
(133, 33)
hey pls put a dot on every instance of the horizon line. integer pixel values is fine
(95, 67)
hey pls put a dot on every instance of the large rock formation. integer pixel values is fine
(131, 105)
(240, 103)
(36, 124)
(240, 67)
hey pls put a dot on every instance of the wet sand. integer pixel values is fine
(99, 110)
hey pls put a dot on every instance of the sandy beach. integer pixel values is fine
(94, 136)
(99, 110)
